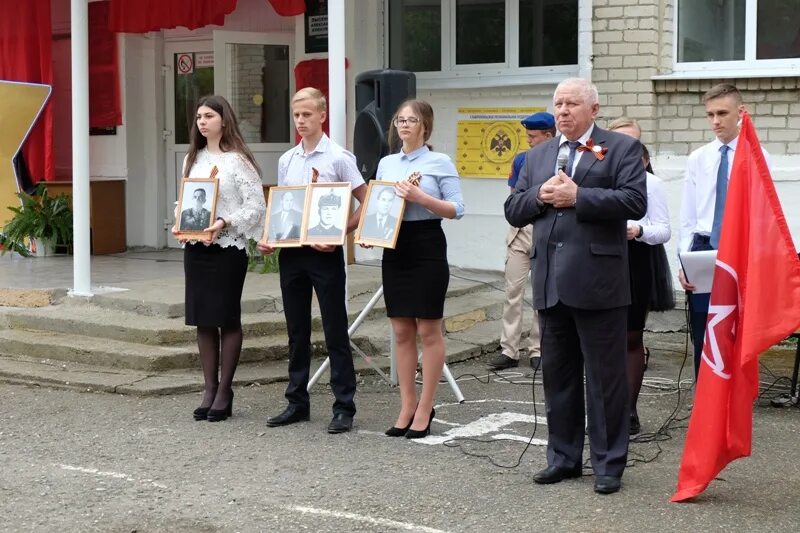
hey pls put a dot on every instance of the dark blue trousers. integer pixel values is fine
(698, 308)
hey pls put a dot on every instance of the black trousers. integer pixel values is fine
(698, 307)
(574, 339)
(302, 269)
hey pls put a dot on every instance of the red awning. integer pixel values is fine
(142, 16)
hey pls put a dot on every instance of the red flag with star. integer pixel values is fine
(755, 303)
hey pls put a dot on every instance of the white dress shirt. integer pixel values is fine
(334, 163)
(700, 189)
(655, 223)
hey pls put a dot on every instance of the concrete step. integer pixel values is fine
(469, 343)
(103, 322)
(115, 354)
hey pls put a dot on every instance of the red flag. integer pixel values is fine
(755, 303)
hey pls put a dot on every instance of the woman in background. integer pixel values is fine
(215, 267)
(416, 273)
(651, 280)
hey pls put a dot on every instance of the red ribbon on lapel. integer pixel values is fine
(597, 150)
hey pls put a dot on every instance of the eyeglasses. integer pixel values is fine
(410, 121)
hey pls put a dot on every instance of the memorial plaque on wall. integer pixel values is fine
(316, 26)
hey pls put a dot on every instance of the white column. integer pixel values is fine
(336, 76)
(81, 265)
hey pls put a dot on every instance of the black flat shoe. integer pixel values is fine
(636, 426)
(607, 484)
(340, 423)
(414, 434)
(200, 413)
(218, 415)
(290, 415)
(555, 474)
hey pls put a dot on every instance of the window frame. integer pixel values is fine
(750, 66)
(453, 76)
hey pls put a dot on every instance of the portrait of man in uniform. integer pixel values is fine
(328, 210)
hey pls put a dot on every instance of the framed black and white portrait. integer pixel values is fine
(285, 216)
(197, 206)
(326, 213)
(381, 215)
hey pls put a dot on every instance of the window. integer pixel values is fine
(735, 33)
(480, 39)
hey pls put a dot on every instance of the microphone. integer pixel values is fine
(562, 162)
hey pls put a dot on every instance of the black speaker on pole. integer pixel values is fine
(378, 94)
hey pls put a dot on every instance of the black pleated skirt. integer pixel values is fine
(214, 282)
(416, 273)
(640, 264)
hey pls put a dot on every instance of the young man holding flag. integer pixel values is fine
(754, 301)
(708, 171)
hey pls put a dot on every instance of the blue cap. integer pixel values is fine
(539, 121)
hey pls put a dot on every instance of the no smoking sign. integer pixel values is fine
(185, 64)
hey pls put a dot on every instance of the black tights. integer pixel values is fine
(635, 366)
(218, 383)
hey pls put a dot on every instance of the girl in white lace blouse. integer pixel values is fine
(215, 267)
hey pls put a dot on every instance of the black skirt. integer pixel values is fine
(640, 265)
(214, 282)
(416, 273)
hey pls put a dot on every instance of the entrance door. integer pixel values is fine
(253, 71)
(189, 74)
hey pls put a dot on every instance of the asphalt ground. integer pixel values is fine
(73, 461)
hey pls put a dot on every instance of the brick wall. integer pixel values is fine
(632, 42)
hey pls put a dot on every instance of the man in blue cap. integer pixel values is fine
(539, 128)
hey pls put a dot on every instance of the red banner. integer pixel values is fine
(755, 303)
(104, 93)
(288, 8)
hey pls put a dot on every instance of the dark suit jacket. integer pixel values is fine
(370, 228)
(286, 230)
(580, 254)
(320, 231)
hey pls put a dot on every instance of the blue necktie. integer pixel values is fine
(722, 193)
(573, 146)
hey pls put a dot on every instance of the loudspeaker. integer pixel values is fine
(378, 94)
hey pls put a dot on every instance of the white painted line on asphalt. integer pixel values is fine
(485, 425)
(115, 475)
(363, 518)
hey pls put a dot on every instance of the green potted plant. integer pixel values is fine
(42, 220)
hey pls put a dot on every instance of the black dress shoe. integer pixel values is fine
(290, 415)
(340, 423)
(535, 362)
(201, 413)
(607, 484)
(421, 434)
(501, 361)
(636, 426)
(554, 474)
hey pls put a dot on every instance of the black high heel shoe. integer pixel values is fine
(395, 431)
(201, 413)
(414, 434)
(218, 415)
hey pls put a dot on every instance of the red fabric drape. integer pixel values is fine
(288, 8)
(755, 303)
(141, 16)
(313, 73)
(104, 98)
(26, 55)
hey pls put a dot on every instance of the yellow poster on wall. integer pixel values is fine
(488, 138)
(20, 104)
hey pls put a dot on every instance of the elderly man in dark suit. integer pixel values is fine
(579, 190)
(380, 224)
(287, 219)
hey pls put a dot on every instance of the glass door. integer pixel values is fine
(189, 74)
(254, 72)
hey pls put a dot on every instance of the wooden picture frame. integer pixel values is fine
(381, 216)
(192, 217)
(326, 212)
(285, 215)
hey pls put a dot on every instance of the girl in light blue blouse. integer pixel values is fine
(416, 273)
